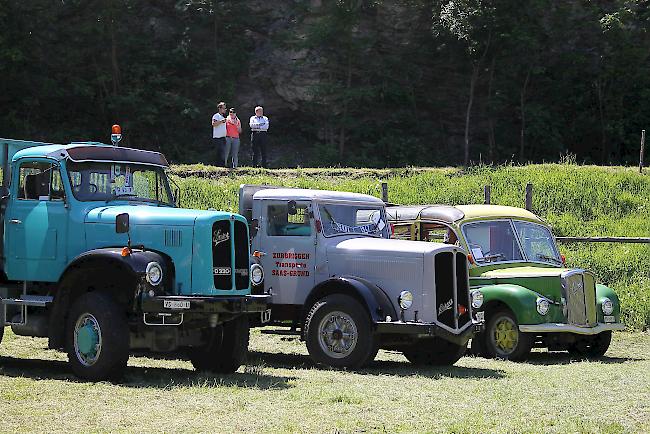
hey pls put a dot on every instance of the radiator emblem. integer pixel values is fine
(219, 237)
(445, 306)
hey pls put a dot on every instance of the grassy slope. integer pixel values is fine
(281, 391)
(576, 200)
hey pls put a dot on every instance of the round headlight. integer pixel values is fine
(477, 299)
(405, 299)
(542, 306)
(607, 306)
(154, 273)
(257, 274)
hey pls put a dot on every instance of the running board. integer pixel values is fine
(29, 300)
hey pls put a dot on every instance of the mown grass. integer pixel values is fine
(281, 391)
(575, 200)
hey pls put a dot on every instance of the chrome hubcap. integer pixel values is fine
(337, 335)
(87, 339)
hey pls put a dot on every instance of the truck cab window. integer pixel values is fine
(40, 181)
(281, 223)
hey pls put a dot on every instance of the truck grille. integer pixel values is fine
(452, 289)
(579, 292)
(224, 238)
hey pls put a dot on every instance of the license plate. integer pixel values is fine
(176, 304)
(480, 316)
(609, 318)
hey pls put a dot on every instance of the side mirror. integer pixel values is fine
(291, 207)
(122, 223)
(254, 227)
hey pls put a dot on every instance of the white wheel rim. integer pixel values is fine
(87, 323)
(337, 335)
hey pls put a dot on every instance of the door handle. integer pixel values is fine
(16, 222)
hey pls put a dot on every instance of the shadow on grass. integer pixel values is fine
(144, 377)
(379, 367)
(562, 358)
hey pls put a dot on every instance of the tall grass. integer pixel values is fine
(575, 200)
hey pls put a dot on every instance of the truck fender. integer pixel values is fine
(105, 265)
(370, 295)
(520, 300)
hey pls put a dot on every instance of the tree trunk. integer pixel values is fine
(490, 114)
(472, 85)
(603, 133)
(215, 42)
(344, 115)
(522, 109)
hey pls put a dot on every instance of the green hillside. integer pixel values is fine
(575, 200)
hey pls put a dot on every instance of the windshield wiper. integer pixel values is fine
(550, 258)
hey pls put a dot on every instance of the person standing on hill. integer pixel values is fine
(219, 128)
(233, 128)
(259, 127)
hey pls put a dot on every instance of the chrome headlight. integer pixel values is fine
(154, 273)
(607, 306)
(477, 299)
(257, 274)
(405, 299)
(542, 306)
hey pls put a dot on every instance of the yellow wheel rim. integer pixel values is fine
(506, 335)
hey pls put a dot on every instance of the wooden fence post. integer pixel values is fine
(384, 191)
(529, 196)
(641, 153)
(487, 190)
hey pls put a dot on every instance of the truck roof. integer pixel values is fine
(311, 194)
(82, 152)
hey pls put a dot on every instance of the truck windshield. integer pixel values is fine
(124, 181)
(503, 240)
(353, 219)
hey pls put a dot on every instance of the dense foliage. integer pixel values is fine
(575, 200)
(350, 82)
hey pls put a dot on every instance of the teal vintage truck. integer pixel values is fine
(98, 258)
(518, 280)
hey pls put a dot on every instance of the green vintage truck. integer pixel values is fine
(519, 280)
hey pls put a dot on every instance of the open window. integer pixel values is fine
(281, 223)
(40, 181)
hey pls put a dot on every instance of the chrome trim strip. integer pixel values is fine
(567, 328)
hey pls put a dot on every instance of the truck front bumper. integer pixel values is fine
(568, 328)
(422, 330)
(174, 304)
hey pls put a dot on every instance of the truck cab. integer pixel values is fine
(98, 257)
(335, 275)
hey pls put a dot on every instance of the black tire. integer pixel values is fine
(477, 347)
(226, 350)
(592, 346)
(327, 322)
(2, 321)
(523, 342)
(435, 351)
(99, 312)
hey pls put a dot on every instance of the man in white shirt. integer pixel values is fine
(219, 128)
(259, 126)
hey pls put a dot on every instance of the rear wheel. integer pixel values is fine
(503, 339)
(226, 350)
(436, 351)
(97, 338)
(592, 346)
(339, 333)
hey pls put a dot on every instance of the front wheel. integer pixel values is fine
(339, 333)
(592, 346)
(226, 349)
(97, 337)
(502, 338)
(436, 351)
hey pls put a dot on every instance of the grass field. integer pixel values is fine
(281, 391)
(575, 200)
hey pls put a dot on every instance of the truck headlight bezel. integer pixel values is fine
(405, 300)
(257, 274)
(607, 306)
(154, 273)
(477, 299)
(543, 306)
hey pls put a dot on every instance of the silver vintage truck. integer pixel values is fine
(335, 275)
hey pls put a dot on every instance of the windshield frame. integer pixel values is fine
(161, 175)
(368, 205)
(525, 258)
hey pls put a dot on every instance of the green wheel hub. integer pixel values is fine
(506, 335)
(87, 339)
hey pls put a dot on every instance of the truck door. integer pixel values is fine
(286, 234)
(36, 223)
